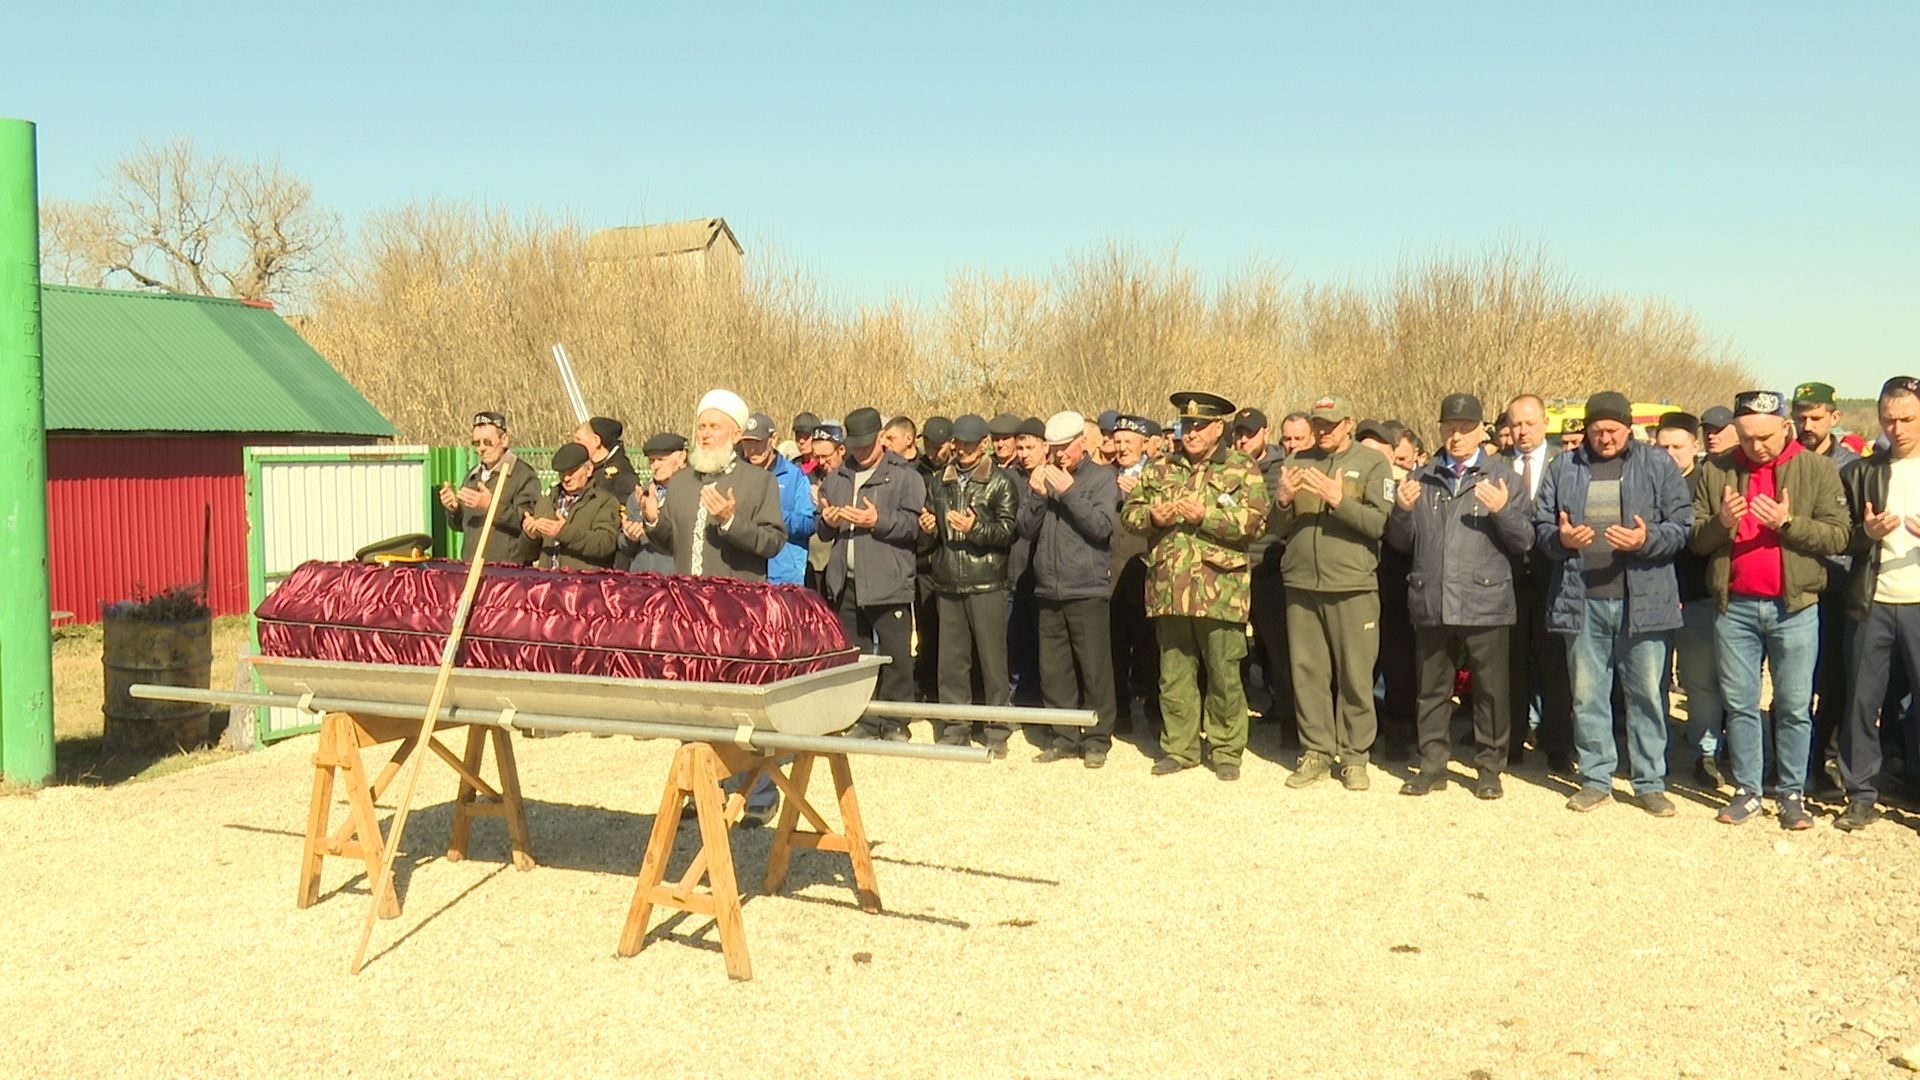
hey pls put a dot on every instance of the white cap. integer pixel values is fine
(725, 401)
(1064, 427)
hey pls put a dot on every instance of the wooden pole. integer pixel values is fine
(475, 561)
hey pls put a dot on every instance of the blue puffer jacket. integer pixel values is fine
(1651, 488)
(789, 567)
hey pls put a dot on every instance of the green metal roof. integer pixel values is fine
(133, 361)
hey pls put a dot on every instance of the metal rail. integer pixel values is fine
(514, 719)
(979, 714)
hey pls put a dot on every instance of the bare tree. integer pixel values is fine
(176, 219)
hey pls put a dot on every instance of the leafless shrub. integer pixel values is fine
(450, 308)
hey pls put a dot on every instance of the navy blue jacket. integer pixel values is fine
(1651, 488)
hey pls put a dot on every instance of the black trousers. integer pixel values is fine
(1439, 649)
(1023, 645)
(1136, 649)
(1830, 673)
(926, 638)
(1270, 633)
(1890, 632)
(1396, 666)
(1076, 668)
(973, 652)
(1535, 655)
(881, 630)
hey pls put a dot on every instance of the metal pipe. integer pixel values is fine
(26, 616)
(980, 714)
(504, 718)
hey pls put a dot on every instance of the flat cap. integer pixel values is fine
(970, 428)
(1716, 418)
(804, 423)
(665, 442)
(1063, 427)
(1033, 426)
(1004, 426)
(937, 430)
(863, 428)
(569, 457)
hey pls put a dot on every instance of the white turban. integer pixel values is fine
(727, 402)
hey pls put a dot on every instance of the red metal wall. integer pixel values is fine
(128, 512)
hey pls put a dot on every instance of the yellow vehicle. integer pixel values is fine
(1646, 416)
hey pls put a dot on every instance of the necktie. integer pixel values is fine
(1526, 474)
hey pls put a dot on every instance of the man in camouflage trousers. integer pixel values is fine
(1200, 509)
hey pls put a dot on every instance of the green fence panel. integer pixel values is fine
(446, 465)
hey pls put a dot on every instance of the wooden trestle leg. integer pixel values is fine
(342, 737)
(696, 772)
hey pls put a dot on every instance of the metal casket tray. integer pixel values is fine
(821, 703)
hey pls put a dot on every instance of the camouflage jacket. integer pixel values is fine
(1200, 570)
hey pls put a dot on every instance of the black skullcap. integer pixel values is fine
(606, 429)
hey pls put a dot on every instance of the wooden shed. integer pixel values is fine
(704, 248)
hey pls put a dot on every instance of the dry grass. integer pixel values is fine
(447, 309)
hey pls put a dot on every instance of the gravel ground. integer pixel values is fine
(1063, 924)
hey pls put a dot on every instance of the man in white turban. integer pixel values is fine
(717, 518)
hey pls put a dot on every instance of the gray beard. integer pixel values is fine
(708, 462)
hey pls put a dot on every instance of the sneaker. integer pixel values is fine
(1052, 754)
(1094, 759)
(1313, 766)
(1589, 798)
(1228, 773)
(1167, 766)
(1793, 813)
(1655, 803)
(1354, 777)
(1858, 815)
(1745, 804)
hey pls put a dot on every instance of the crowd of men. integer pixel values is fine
(1123, 566)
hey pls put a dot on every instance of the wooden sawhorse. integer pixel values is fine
(343, 736)
(697, 770)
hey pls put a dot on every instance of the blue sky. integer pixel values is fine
(1754, 163)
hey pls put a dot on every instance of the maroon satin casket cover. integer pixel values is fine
(635, 626)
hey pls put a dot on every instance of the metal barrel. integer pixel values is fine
(169, 654)
(509, 718)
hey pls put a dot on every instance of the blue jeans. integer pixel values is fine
(1751, 630)
(1593, 655)
(1699, 670)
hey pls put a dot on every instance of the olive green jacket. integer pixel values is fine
(1336, 550)
(1819, 524)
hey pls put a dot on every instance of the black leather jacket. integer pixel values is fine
(976, 561)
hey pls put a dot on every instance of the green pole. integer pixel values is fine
(26, 635)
